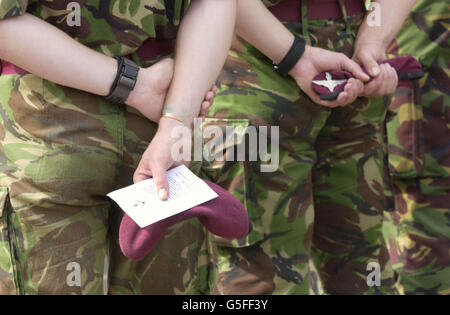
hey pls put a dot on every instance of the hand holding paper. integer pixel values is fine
(219, 211)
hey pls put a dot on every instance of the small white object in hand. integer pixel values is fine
(329, 83)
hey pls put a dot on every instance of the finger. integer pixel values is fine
(349, 93)
(344, 96)
(336, 103)
(351, 66)
(395, 77)
(204, 108)
(389, 80)
(374, 87)
(141, 173)
(353, 90)
(214, 89)
(370, 64)
(201, 119)
(209, 96)
(160, 182)
(342, 99)
(316, 99)
(348, 96)
(359, 88)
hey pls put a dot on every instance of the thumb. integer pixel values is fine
(370, 64)
(160, 182)
(355, 69)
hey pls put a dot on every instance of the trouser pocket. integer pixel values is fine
(405, 134)
(229, 158)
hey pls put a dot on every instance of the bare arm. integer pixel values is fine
(203, 43)
(257, 25)
(372, 42)
(392, 16)
(46, 51)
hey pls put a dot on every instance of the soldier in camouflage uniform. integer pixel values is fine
(327, 197)
(62, 150)
(418, 232)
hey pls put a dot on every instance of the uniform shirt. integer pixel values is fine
(112, 27)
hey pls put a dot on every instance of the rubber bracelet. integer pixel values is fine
(292, 57)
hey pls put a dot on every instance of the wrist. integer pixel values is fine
(299, 67)
(124, 82)
(292, 57)
(135, 98)
(375, 49)
(373, 38)
(167, 124)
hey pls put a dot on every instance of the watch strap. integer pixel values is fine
(125, 81)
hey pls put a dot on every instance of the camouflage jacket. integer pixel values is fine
(112, 27)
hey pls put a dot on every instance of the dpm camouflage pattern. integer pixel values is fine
(112, 27)
(61, 151)
(418, 232)
(325, 200)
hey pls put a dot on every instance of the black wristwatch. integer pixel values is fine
(126, 77)
(292, 57)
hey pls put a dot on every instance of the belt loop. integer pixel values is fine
(305, 24)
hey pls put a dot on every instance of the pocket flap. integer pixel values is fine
(225, 167)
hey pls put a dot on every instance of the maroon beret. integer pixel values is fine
(330, 84)
(224, 216)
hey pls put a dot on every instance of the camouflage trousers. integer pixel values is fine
(61, 152)
(316, 220)
(418, 235)
(418, 232)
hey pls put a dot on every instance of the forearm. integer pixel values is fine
(203, 43)
(46, 51)
(392, 16)
(262, 29)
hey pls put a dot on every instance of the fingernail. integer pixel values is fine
(162, 193)
(375, 71)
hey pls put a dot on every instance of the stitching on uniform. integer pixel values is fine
(13, 248)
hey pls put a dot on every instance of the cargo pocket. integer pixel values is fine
(8, 271)
(228, 162)
(405, 133)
